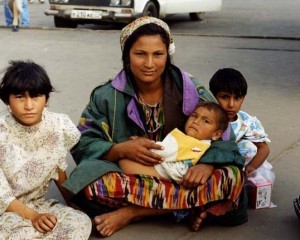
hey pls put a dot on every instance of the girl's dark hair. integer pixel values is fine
(147, 29)
(25, 76)
(222, 117)
(228, 80)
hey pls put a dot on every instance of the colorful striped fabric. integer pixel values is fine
(116, 190)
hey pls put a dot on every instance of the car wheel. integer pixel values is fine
(196, 16)
(64, 23)
(150, 10)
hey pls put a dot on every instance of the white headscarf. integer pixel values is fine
(133, 26)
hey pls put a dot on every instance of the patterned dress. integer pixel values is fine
(117, 190)
(29, 160)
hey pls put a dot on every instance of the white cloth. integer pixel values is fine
(30, 157)
(180, 152)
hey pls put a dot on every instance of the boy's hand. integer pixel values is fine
(249, 169)
(44, 222)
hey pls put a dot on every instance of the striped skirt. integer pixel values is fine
(117, 190)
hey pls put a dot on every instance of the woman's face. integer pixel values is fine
(27, 110)
(148, 57)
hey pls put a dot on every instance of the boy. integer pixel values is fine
(230, 88)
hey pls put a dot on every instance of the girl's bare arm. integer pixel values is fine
(62, 176)
(42, 222)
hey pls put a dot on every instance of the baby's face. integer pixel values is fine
(202, 124)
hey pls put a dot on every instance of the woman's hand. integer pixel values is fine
(197, 175)
(137, 149)
(43, 222)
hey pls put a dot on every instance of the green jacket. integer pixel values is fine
(113, 115)
(223, 153)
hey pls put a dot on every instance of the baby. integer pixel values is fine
(182, 150)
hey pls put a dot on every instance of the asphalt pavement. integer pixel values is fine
(77, 60)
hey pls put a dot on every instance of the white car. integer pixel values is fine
(70, 13)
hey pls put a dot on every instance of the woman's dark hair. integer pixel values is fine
(25, 76)
(222, 117)
(147, 29)
(228, 80)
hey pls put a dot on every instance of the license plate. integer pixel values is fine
(86, 14)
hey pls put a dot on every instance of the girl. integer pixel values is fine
(33, 147)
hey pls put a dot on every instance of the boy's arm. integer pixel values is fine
(263, 151)
(62, 176)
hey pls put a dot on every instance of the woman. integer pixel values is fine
(141, 105)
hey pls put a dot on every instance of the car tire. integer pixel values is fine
(196, 16)
(150, 10)
(64, 23)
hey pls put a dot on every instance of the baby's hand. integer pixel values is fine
(197, 175)
(44, 222)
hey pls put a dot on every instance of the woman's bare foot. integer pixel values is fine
(217, 209)
(109, 223)
(197, 221)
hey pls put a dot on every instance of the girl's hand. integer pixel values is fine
(44, 222)
(137, 150)
(197, 175)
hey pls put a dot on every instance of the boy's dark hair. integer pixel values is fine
(25, 76)
(222, 117)
(150, 30)
(230, 81)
